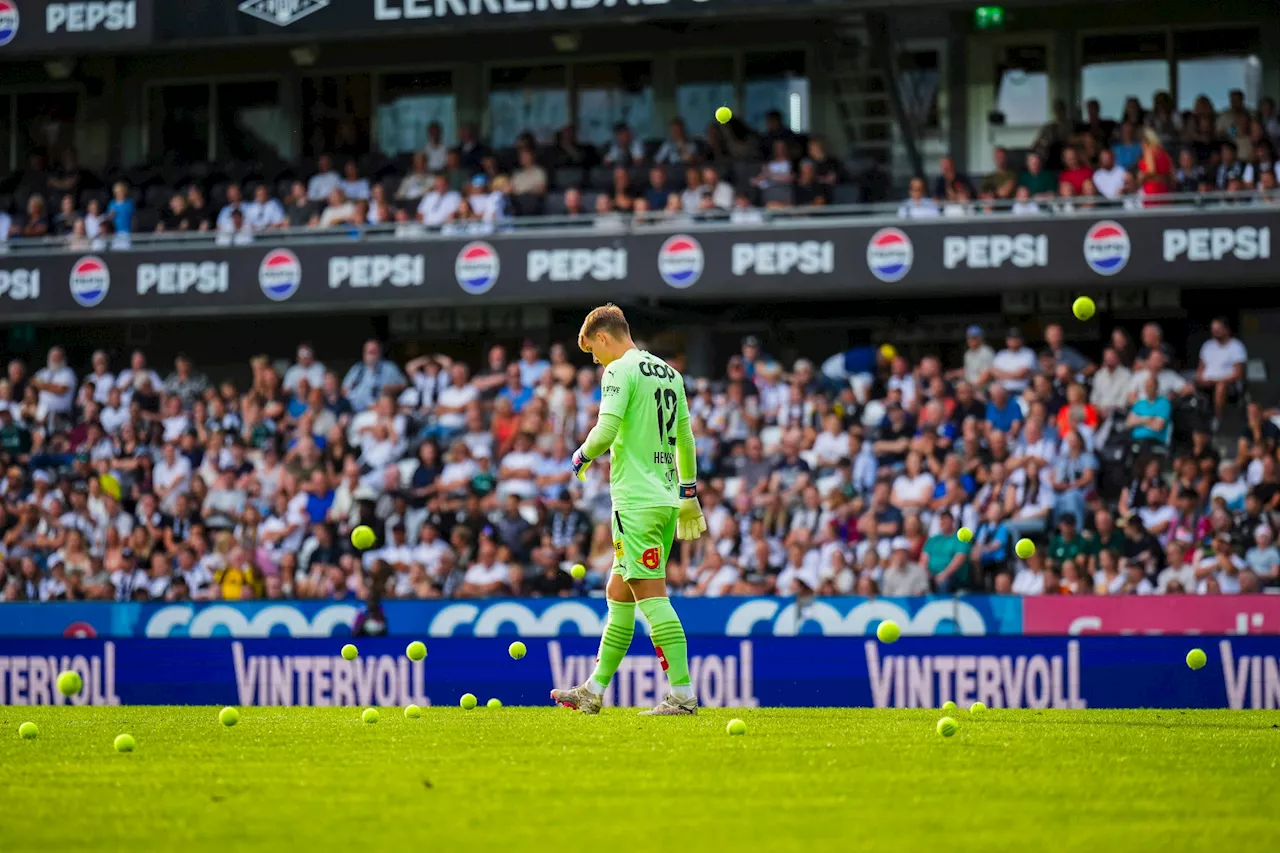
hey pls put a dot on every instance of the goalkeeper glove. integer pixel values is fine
(580, 465)
(689, 521)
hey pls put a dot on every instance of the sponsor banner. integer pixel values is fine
(57, 26)
(202, 20)
(1171, 614)
(1002, 672)
(734, 617)
(975, 256)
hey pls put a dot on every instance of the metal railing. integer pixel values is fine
(887, 213)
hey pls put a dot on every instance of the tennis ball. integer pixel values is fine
(28, 731)
(412, 712)
(888, 352)
(228, 716)
(363, 537)
(1196, 658)
(369, 715)
(947, 727)
(950, 707)
(736, 727)
(417, 650)
(69, 683)
(349, 651)
(125, 743)
(468, 701)
(1083, 308)
(517, 650)
(1025, 549)
(888, 631)
(964, 534)
(977, 708)
(723, 115)
(579, 572)
(495, 702)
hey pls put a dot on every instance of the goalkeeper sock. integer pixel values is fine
(669, 642)
(614, 643)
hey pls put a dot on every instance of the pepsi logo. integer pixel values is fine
(280, 274)
(8, 21)
(680, 261)
(90, 280)
(889, 254)
(1106, 247)
(477, 268)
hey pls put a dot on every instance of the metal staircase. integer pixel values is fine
(860, 64)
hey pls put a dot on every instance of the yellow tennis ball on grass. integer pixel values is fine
(947, 727)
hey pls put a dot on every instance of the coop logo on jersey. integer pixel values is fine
(282, 13)
(280, 274)
(1106, 247)
(476, 268)
(680, 261)
(889, 254)
(8, 22)
(90, 281)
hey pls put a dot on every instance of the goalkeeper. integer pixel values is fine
(644, 421)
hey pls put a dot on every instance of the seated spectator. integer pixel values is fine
(1014, 365)
(1190, 176)
(121, 208)
(471, 150)
(949, 181)
(1155, 167)
(36, 223)
(1003, 181)
(1023, 205)
(1127, 149)
(299, 210)
(656, 194)
(625, 150)
(1232, 168)
(439, 204)
(1076, 173)
(776, 132)
(324, 181)
(695, 197)
(264, 212)
(826, 166)
(180, 216)
(1108, 178)
(1038, 182)
(339, 211)
(434, 151)
(992, 545)
(722, 193)
(1263, 559)
(677, 148)
(607, 216)
(530, 178)
(418, 181)
(353, 186)
(777, 170)
(1003, 412)
(918, 204)
(1221, 369)
(623, 198)
(809, 191)
(1073, 477)
(569, 152)
(235, 204)
(64, 221)
(1150, 420)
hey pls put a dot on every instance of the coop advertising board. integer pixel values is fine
(577, 266)
(1002, 672)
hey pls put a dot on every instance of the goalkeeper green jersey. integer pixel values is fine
(647, 396)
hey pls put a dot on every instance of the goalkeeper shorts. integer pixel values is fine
(642, 541)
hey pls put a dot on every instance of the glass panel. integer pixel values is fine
(1123, 66)
(608, 94)
(1216, 77)
(46, 124)
(1022, 86)
(251, 122)
(702, 85)
(776, 81)
(8, 162)
(408, 103)
(179, 122)
(921, 86)
(533, 99)
(336, 115)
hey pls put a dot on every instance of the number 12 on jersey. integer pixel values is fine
(665, 399)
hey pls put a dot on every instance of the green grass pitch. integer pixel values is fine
(309, 779)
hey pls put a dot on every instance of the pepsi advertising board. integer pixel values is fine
(54, 27)
(814, 258)
(1001, 672)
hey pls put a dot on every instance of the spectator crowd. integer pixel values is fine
(733, 171)
(852, 476)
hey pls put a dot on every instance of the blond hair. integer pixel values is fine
(607, 318)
